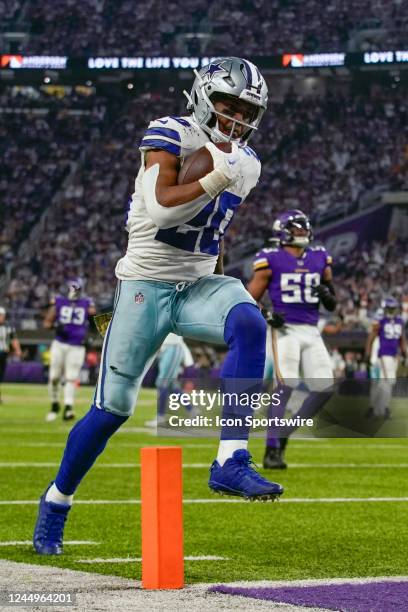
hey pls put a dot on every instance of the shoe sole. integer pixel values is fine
(264, 497)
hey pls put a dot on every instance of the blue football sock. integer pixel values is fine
(85, 442)
(242, 371)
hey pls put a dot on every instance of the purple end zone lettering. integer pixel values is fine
(374, 596)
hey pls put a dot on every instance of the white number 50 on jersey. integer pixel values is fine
(296, 292)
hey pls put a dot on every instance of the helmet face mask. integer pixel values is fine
(390, 306)
(75, 286)
(226, 79)
(292, 228)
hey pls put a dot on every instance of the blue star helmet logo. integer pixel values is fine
(214, 68)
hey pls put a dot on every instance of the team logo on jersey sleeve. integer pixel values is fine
(139, 298)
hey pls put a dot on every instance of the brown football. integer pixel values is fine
(199, 163)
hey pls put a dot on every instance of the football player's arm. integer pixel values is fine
(219, 266)
(91, 310)
(333, 328)
(257, 287)
(50, 317)
(170, 204)
(371, 337)
(168, 192)
(15, 345)
(259, 283)
(325, 291)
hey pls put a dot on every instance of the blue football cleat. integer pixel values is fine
(238, 477)
(49, 528)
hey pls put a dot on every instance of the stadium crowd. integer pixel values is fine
(326, 162)
(297, 26)
(120, 26)
(39, 143)
(314, 158)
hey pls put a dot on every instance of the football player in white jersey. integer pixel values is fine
(166, 284)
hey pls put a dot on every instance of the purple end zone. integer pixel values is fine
(348, 597)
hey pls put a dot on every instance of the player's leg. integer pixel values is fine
(375, 389)
(288, 356)
(317, 373)
(169, 366)
(74, 361)
(134, 335)
(388, 374)
(57, 356)
(219, 309)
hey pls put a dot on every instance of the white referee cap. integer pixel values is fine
(2, 310)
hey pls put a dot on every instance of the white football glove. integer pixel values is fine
(227, 166)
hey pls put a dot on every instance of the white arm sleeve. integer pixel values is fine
(164, 216)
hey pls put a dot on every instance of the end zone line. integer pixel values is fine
(221, 500)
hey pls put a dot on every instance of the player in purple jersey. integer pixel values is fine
(390, 334)
(70, 317)
(298, 278)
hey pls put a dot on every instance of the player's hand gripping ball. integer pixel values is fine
(200, 163)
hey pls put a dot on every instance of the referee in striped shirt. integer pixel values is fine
(8, 341)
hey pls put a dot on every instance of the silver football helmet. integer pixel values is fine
(223, 78)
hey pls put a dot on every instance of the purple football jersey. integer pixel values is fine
(390, 332)
(72, 319)
(293, 279)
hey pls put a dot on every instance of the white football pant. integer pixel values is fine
(301, 350)
(381, 389)
(65, 363)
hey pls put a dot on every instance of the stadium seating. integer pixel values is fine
(313, 158)
(120, 26)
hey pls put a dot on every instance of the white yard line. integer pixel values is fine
(220, 500)
(139, 559)
(47, 464)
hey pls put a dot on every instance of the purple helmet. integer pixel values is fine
(75, 286)
(288, 221)
(390, 306)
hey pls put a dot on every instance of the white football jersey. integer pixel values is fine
(189, 251)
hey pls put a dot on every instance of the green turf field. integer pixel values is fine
(304, 536)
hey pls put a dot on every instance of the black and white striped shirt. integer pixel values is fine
(7, 333)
